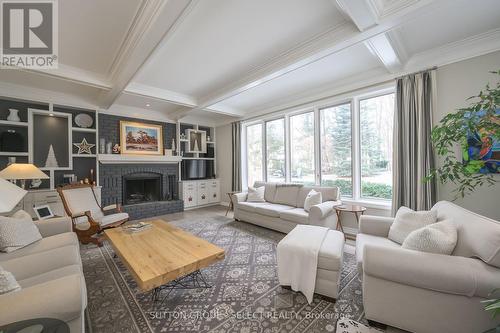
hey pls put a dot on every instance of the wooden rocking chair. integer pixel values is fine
(89, 218)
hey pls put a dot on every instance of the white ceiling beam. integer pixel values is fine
(73, 74)
(333, 41)
(360, 12)
(384, 48)
(155, 22)
(144, 90)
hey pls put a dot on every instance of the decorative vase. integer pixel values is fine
(102, 146)
(109, 148)
(13, 116)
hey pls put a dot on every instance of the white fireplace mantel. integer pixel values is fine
(143, 159)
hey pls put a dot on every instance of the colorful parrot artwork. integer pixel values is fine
(481, 152)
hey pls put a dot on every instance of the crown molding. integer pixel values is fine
(359, 12)
(467, 48)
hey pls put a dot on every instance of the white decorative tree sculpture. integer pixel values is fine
(51, 161)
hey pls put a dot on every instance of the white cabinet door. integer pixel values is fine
(203, 191)
(189, 194)
(214, 191)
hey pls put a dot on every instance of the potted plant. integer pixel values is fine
(476, 129)
(493, 305)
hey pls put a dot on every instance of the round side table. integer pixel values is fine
(355, 209)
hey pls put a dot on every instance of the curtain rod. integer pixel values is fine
(418, 72)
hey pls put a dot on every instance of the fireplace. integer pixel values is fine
(142, 187)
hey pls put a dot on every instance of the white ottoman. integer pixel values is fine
(329, 264)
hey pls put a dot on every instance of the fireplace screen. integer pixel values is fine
(141, 187)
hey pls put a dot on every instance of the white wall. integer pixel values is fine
(455, 83)
(224, 159)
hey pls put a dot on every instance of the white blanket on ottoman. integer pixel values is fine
(297, 256)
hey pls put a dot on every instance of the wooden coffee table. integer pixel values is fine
(164, 257)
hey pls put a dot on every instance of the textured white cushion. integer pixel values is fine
(313, 198)
(17, 231)
(440, 238)
(408, 220)
(8, 282)
(256, 194)
(286, 194)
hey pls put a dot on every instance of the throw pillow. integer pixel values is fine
(440, 238)
(17, 231)
(408, 220)
(313, 198)
(8, 282)
(256, 194)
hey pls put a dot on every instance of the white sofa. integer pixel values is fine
(51, 277)
(424, 292)
(284, 207)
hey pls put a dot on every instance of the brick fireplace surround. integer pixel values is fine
(111, 180)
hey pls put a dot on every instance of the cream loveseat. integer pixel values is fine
(284, 207)
(426, 293)
(51, 277)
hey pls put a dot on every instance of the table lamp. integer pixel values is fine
(10, 195)
(22, 171)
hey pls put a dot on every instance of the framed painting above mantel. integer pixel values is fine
(140, 138)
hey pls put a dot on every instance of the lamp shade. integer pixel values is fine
(10, 195)
(22, 171)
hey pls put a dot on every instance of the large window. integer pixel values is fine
(254, 153)
(335, 138)
(302, 148)
(275, 150)
(375, 122)
(346, 144)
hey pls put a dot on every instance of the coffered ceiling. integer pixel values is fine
(222, 60)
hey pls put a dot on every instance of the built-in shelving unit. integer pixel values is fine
(31, 137)
(14, 123)
(182, 144)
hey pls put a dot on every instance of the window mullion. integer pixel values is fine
(317, 148)
(288, 160)
(356, 150)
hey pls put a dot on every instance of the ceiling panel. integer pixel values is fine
(92, 31)
(63, 89)
(220, 40)
(148, 103)
(453, 21)
(320, 74)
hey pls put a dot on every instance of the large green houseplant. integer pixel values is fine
(493, 305)
(474, 129)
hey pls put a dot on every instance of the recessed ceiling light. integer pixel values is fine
(148, 105)
(51, 114)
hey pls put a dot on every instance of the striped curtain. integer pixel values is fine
(236, 156)
(413, 154)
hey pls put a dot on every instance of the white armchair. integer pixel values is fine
(425, 292)
(88, 217)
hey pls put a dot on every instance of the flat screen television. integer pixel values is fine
(197, 169)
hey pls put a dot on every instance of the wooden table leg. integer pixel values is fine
(230, 207)
(339, 224)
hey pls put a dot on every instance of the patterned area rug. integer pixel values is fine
(245, 296)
